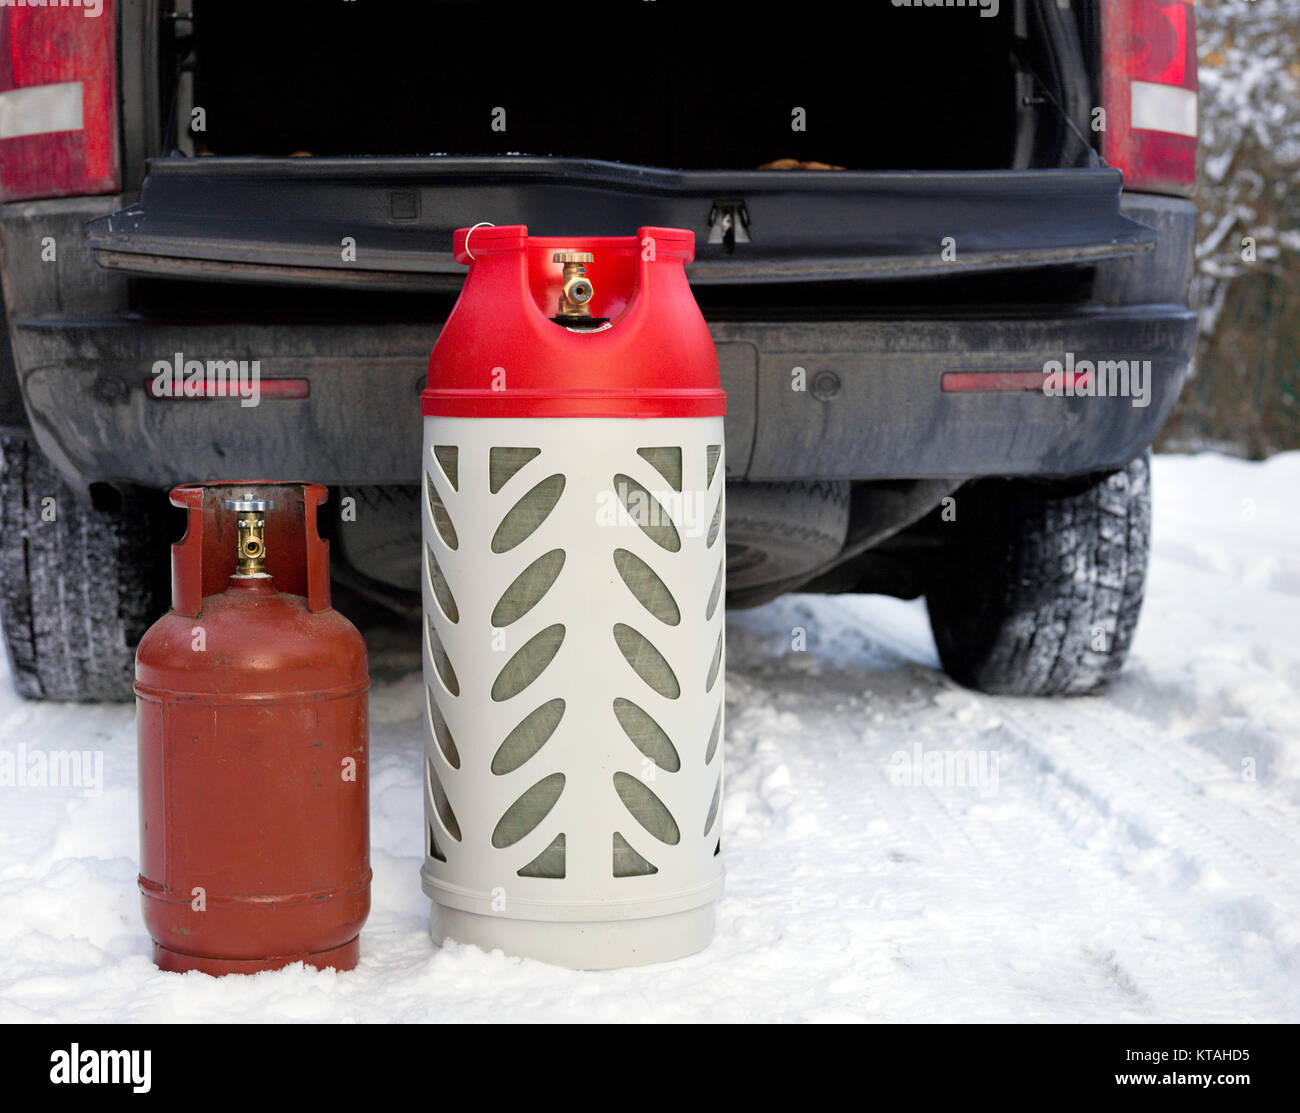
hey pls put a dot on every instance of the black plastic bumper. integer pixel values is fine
(874, 406)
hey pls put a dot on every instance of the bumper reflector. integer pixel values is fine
(1005, 382)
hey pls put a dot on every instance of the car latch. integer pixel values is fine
(729, 224)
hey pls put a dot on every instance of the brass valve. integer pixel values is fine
(576, 290)
(251, 538)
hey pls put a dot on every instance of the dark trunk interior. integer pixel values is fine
(702, 85)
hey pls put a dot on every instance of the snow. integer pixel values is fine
(1106, 858)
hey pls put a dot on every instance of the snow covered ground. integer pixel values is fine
(1134, 856)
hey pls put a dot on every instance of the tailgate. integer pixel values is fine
(291, 219)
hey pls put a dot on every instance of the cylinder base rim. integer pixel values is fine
(583, 944)
(341, 958)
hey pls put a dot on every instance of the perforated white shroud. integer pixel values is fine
(573, 659)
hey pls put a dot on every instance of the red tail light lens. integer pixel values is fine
(1148, 65)
(58, 100)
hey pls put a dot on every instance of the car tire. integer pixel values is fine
(79, 586)
(779, 530)
(1041, 595)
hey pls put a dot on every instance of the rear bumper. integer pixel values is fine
(874, 406)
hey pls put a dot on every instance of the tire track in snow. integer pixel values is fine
(1085, 798)
(968, 853)
(1156, 788)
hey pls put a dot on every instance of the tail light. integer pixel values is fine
(1148, 65)
(58, 100)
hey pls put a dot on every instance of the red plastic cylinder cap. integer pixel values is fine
(501, 355)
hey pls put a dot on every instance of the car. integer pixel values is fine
(944, 252)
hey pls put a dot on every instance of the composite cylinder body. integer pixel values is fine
(574, 566)
(251, 698)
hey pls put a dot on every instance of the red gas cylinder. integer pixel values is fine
(251, 710)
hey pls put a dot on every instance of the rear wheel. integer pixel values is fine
(1042, 593)
(79, 584)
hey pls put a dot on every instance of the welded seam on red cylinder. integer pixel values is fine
(171, 696)
(157, 892)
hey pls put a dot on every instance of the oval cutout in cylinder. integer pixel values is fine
(441, 662)
(713, 806)
(715, 525)
(714, 736)
(522, 519)
(712, 453)
(647, 512)
(647, 809)
(646, 661)
(715, 664)
(441, 731)
(528, 662)
(716, 592)
(647, 735)
(441, 519)
(441, 805)
(532, 733)
(439, 586)
(523, 816)
(650, 591)
(528, 588)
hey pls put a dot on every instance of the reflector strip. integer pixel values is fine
(1004, 382)
(40, 110)
(1158, 107)
(285, 389)
(279, 390)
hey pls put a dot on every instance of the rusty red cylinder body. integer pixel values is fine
(254, 790)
